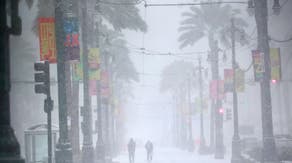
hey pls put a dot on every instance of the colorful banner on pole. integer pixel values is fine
(275, 64)
(228, 80)
(92, 87)
(47, 39)
(217, 89)
(258, 65)
(94, 66)
(240, 80)
(71, 43)
(105, 90)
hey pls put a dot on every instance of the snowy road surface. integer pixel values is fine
(170, 155)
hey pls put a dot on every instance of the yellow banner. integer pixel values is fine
(275, 63)
(47, 39)
(240, 80)
(94, 66)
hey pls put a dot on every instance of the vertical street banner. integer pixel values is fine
(228, 80)
(217, 90)
(47, 39)
(71, 43)
(240, 80)
(275, 58)
(92, 87)
(94, 64)
(258, 65)
(105, 90)
(77, 74)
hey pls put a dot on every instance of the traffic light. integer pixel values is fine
(221, 111)
(42, 78)
(228, 114)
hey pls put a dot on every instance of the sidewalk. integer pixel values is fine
(170, 155)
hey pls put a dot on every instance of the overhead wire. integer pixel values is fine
(121, 3)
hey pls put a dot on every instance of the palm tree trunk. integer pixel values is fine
(216, 119)
(72, 88)
(74, 114)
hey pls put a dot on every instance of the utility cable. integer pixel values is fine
(192, 4)
(280, 41)
(121, 3)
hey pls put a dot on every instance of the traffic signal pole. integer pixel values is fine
(43, 87)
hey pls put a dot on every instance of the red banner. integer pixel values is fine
(92, 87)
(105, 91)
(217, 90)
(228, 80)
(47, 40)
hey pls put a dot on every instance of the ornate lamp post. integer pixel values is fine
(9, 146)
(236, 154)
(87, 149)
(63, 148)
(100, 150)
(202, 148)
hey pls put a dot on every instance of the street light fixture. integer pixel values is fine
(276, 7)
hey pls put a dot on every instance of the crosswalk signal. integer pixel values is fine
(228, 114)
(42, 78)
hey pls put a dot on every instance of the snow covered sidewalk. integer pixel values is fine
(170, 155)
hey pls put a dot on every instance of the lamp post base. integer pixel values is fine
(63, 153)
(100, 152)
(236, 151)
(203, 149)
(269, 150)
(219, 152)
(87, 154)
(9, 147)
(191, 147)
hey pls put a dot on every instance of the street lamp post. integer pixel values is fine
(202, 148)
(190, 141)
(63, 148)
(269, 147)
(100, 151)
(9, 146)
(87, 148)
(216, 104)
(236, 151)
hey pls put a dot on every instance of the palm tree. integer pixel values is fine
(174, 76)
(119, 16)
(211, 21)
(178, 80)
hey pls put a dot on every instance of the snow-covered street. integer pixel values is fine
(170, 155)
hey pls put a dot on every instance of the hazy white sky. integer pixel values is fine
(161, 37)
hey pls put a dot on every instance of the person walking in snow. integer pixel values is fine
(149, 149)
(131, 150)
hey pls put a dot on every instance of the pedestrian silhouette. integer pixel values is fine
(131, 150)
(149, 149)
